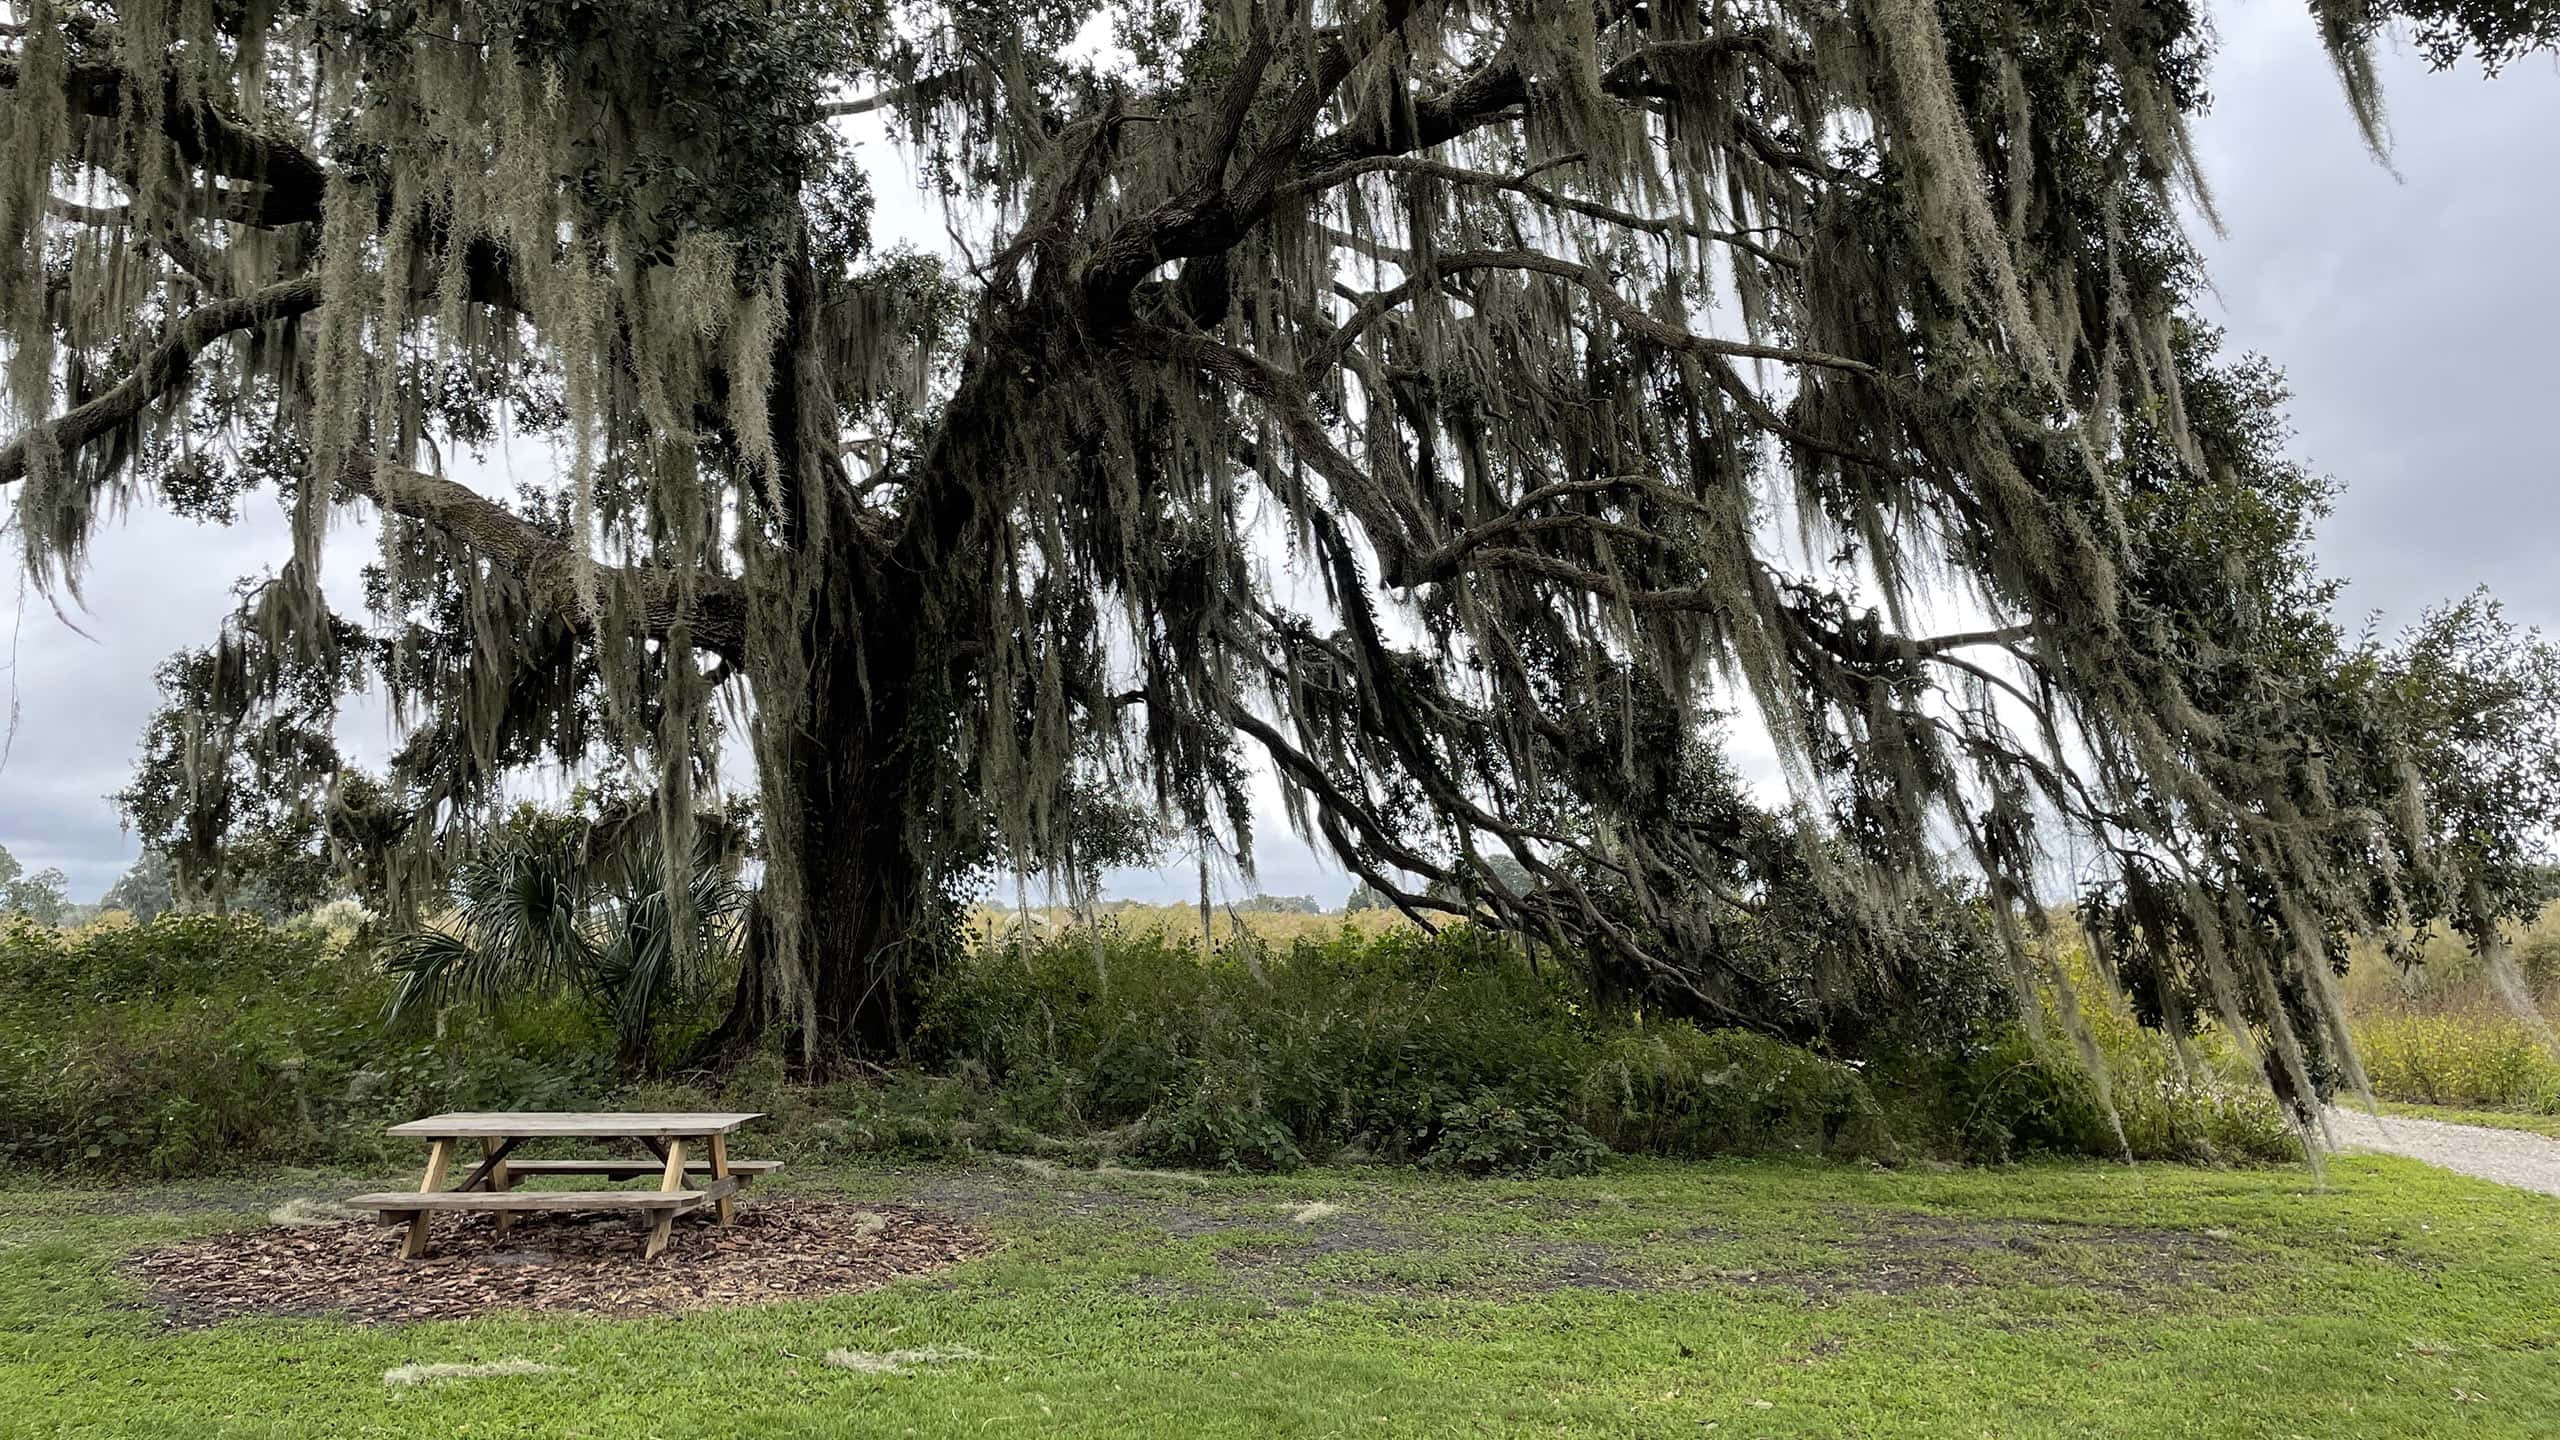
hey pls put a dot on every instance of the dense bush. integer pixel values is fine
(199, 1042)
(1452, 1050)
(2445, 1030)
(1259, 1058)
(2480, 1058)
(196, 1043)
(2446, 976)
(1676, 1090)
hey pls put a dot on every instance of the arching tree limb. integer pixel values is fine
(163, 371)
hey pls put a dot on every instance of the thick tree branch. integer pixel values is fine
(274, 181)
(1521, 185)
(162, 371)
(1490, 92)
(1202, 219)
(710, 610)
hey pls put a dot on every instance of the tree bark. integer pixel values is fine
(854, 786)
(838, 812)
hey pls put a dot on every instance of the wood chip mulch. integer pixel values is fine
(780, 1249)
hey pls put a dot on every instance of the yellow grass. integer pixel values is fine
(1181, 923)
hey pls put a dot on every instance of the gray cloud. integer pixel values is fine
(2414, 316)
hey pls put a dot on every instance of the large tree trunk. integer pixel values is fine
(858, 811)
(867, 895)
(848, 822)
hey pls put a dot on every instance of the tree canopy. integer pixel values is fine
(1448, 406)
(38, 897)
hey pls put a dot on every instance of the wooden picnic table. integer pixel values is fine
(489, 1186)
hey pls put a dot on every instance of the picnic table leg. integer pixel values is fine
(496, 1149)
(671, 1180)
(720, 1172)
(439, 1155)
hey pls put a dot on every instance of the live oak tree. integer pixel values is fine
(222, 789)
(1446, 403)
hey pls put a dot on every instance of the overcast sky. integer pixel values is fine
(2416, 317)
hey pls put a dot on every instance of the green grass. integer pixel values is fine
(1728, 1299)
(2456, 1115)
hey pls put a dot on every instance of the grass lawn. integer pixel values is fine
(2496, 1119)
(1652, 1300)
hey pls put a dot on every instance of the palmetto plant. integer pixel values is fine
(540, 914)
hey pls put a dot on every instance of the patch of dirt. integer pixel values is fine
(1341, 1233)
(1889, 1254)
(1056, 1190)
(1345, 1253)
(1897, 1253)
(781, 1249)
(1275, 1272)
(1580, 1265)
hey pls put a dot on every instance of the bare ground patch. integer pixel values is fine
(1128, 1197)
(782, 1248)
(1889, 1253)
(1892, 1253)
(1283, 1254)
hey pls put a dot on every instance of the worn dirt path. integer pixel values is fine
(2510, 1157)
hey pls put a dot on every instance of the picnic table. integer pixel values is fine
(689, 1153)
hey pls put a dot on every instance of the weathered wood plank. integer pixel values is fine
(500, 1177)
(439, 1155)
(629, 1169)
(403, 1203)
(588, 1123)
(720, 1171)
(670, 1182)
(533, 1123)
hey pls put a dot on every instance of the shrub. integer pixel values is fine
(1677, 1090)
(1454, 1052)
(193, 1044)
(1491, 1136)
(199, 1043)
(1253, 1058)
(2480, 1058)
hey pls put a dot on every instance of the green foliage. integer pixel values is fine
(2481, 1058)
(39, 896)
(1257, 1060)
(2019, 1099)
(147, 890)
(1261, 904)
(1452, 1051)
(2477, 698)
(536, 916)
(1677, 1090)
(1491, 1136)
(200, 1043)
(1958, 288)
(232, 778)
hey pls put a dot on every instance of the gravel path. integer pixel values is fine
(2510, 1157)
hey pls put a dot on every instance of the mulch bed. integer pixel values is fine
(780, 1249)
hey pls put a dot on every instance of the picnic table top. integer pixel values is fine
(530, 1123)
